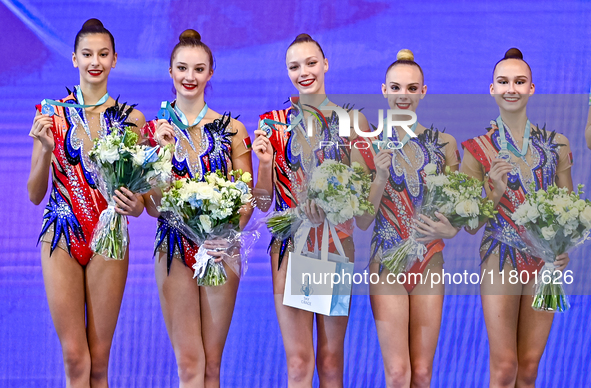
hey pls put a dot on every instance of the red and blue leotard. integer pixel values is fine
(547, 155)
(198, 150)
(290, 166)
(75, 203)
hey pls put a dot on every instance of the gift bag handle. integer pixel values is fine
(301, 237)
(329, 228)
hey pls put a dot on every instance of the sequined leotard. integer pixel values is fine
(198, 150)
(546, 156)
(75, 203)
(291, 163)
(404, 191)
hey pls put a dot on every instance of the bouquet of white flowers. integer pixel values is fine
(550, 222)
(339, 190)
(120, 162)
(455, 195)
(209, 209)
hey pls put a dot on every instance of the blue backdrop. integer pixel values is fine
(456, 43)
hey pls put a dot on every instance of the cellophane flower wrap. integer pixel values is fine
(210, 209)
(549, 223)
(118, 161)
(341, 191)
(456, 196)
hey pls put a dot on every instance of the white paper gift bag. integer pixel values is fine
(318, 282)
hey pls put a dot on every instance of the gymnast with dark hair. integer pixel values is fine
(511, 156)
(84, 291)
(197, 317)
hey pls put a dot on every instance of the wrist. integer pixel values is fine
(265, 164)
(497, 195)
(381, 180)
(47, 150)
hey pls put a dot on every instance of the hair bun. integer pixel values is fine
(190, 34)
(90, 23)
(405, 55)
(513, 53)
(303, 37)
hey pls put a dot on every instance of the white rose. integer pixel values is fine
(548, 232)
(563, 218)
(139, 156)
(205, 223)
(204, 191)
(430, 169)
(521, 210)
(533, 213)
(163, 166)
(166, 155)
(573, 214)
(569, 228)
(474, 208)
(346, 213)
(216, 195)
(560, 202)
(467, 208)
(320, 185)
(585, 217)
(210, 178)
(245, 198)
(110, 155)
(221, 181)
(436, 180)
(580, 205)
(473, 223)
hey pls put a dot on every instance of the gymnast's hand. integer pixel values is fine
(383, 161)
(41, 131)
(164, 134)
(434, 230)
(498, 175)
(313, 212)
(562, 261)
(128, 203)
(217, 248)
(262, 147)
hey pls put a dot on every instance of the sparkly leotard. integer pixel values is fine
(546, 156)
(404, 191)
(75, 203)
(293, 160)
(198, 150)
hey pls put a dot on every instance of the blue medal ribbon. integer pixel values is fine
(48, 109)
(406, 138)
(508, 146)
(268, 125)
(167, 112)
